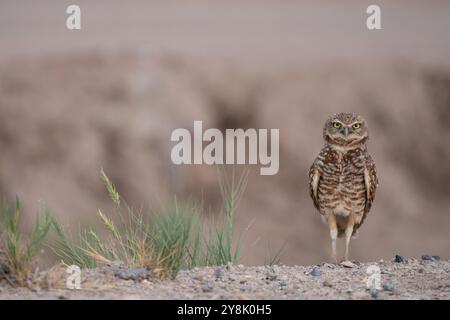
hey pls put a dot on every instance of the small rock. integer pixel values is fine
(207, 287)
(327, 284)
(198, 277)
(271, 276)
(315, 272)
(349, 290)
(348, 264)
(231, 278)
(430, 258)
(374, 294)
(386, 271)
(117, 263)
(388, 286)
(218, 273)
(35, 290)
(132, 274)
(399, 259)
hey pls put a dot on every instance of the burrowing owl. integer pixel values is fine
(342, 179)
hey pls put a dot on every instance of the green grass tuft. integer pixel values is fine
(174, 238)
(19, 253)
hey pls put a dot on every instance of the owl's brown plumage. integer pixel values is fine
(343, 179)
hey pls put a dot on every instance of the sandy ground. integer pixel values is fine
(110, 95)
(412, 279)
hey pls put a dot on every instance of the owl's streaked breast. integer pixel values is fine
(341, 189)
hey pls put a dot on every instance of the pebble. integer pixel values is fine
(348, 264)
(388, 286)
(374, 294)
(218, 273)
(207, 287)
(430, 258)
(117, 263)
(399, 259)
(315, 272)
(35, 290)
(198, 277)
(327, 284)
(132, 274)
(271, 276)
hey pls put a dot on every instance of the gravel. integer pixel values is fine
(207, 287)
(132, 274)
(315, 272)
(412, 279)
(430, 258)
(388, 286)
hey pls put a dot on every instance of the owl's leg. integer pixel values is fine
(333, 234)
(348, 234)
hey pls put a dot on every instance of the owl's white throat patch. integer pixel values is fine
(343, 149)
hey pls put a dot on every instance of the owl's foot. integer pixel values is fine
(334, 258)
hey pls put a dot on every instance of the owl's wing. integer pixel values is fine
(371, 181)
(314, 177)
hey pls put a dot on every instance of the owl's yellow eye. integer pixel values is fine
(336, 125)
(356, 125)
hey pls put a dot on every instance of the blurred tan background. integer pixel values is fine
(110, 94)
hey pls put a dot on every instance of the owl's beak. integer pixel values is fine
(345, 131)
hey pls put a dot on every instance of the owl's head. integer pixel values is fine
(345, 129)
